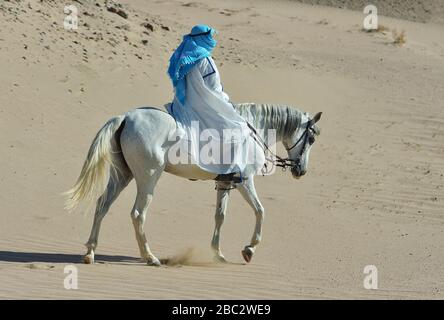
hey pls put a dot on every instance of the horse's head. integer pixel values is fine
(298, 144)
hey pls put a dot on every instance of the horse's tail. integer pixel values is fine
(92, 179)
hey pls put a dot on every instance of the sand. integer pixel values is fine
(373, 194)
(414, 10)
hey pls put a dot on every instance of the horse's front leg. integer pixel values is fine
(223, 193)
(248, 191)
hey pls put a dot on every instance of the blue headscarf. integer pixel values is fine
(195, 46)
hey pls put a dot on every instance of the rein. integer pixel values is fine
(278, 161)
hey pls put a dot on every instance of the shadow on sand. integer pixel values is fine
(30, 257)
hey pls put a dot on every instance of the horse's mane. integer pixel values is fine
(284, 119)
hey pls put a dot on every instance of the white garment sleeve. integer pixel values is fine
(211, 77)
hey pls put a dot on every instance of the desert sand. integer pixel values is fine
(373, 194)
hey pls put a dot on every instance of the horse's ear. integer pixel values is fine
(317, 117)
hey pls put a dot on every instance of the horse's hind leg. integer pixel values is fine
(145, 189)
(118, 181)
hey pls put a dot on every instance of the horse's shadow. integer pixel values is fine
(44, 257)
(63, 258)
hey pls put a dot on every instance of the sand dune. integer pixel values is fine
(373, 194)
(419, 11)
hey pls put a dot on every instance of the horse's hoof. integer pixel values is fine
(88, 259)
(154, 262)
(220, 258)
(247, 253)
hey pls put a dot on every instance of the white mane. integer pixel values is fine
(284, 119)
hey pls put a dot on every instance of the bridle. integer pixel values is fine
(285, 163)
(305, 136)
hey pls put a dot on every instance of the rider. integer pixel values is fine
(199, 96)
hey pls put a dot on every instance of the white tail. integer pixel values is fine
(92, 179)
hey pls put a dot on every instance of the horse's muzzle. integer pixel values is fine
(297, 172)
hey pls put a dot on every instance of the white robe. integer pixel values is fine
(234, 150)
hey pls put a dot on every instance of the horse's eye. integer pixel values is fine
(311, 140)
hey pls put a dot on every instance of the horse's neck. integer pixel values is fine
(270, 123)
(264, 128)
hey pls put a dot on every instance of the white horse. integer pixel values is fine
(135, 145)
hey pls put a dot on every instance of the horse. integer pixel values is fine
(135, 145)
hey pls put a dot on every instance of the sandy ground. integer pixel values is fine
(414, 10)
(373, 194)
